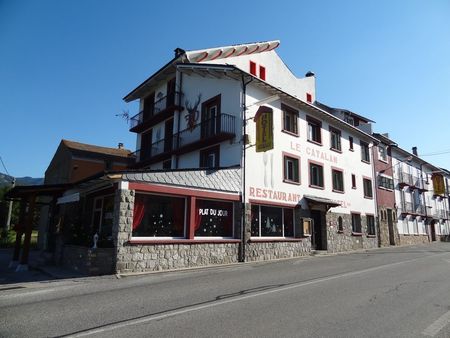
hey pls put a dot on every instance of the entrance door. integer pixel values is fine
(390, 227)
(168, 135)
(319, 237)
(433, 231)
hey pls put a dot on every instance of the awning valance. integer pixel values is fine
(315, 200)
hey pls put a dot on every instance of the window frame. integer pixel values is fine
(365, 152)
(381, 157)
(322, 178)
(356, 226)
(287, 157)
(350, 143)
(341, 172)
(314, 133)
(262, 73)
(367, 183)
(371, 231)
(260, 236)
(252, 68)
(204, 153)
(295, 114)
(335, 134)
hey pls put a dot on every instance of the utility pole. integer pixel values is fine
(8, 220)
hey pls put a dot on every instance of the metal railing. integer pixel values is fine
(155, 108)
(404, 177)
(222, 124)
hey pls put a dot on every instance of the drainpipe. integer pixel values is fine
(179, 118)
(244, 121)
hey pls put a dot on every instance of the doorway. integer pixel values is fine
(390, 226)
(319, 236)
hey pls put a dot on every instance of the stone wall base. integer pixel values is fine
(159, 257)
(413, 239)
(263, 251)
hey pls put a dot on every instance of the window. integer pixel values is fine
(252, 68)
(306, 227)
(209, 158)
(272, 221)
(385, 182)
(316, 175)
(213, 218)
(102, 217)
(308, 97)
(262, 73)
(356, 223)
(291, 169)
(314, 128)
(365, 155)
(350, 141)
(290, 117)
(416, 226)
(370, 225)
(338, 180)
(335, 139)
(367, 185)
(158, 216)
(382, 152)
(340, 225)
(353, 181)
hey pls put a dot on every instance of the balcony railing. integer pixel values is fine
(223, 124)
(215, 129)
(159, 106)
(405, 178)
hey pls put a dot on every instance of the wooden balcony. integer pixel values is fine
(158, 112)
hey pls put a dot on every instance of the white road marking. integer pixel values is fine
(151, 318)
(438, 325)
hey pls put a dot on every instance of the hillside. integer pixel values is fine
(6, 180)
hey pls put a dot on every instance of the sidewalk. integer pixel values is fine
(36, 273)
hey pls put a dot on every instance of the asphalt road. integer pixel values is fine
(393, 292)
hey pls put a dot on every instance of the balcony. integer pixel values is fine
(414, 182)
(442, 214)
(409, 208)
(208, 132)
(158, 112)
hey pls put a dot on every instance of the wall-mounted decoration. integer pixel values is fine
(192, 115)
(264, 129)
(438, 184)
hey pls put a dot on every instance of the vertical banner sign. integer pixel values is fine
(264, 129)
(438, 184)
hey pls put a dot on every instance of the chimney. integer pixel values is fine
(178, 52)
(414, 150)
(309, 74)
(120, 145)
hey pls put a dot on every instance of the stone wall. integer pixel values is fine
(341, 241)
(413, 239)
(267, 250)
(87, 261)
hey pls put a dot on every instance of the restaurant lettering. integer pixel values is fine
(274, 195)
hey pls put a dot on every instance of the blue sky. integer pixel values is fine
(65, 65)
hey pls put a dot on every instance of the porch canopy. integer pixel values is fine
(321, 201)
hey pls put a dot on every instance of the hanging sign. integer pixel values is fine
(264, 129)
(438, 184)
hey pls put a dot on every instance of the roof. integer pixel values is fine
(328, 108)
(96, 149)
(385, 139)
(217, 70)
(222, 179)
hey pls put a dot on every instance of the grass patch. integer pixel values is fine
(8, 239)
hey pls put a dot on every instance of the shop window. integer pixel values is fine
(213, 219)
(102, 217)
(291, 169)
(290, 119)
(209, 158)
(335, 139)
(272, 221)
(314, 130)
(316, 175)
(365, 155)
(356, 223)
(338, 180)
(367, 184)
(158, 216)
(370, 225)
